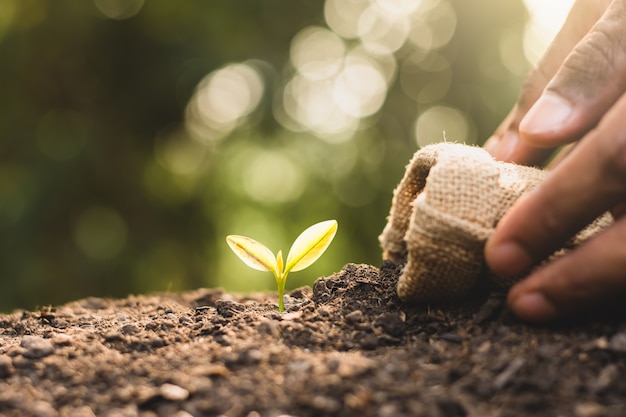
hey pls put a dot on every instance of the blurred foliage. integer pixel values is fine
(127, 154)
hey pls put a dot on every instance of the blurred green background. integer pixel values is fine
(135, 135)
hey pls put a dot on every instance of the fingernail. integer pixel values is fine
(534, 307)
(547, 115)
(509, 259)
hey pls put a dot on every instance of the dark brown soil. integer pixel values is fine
(347, 347)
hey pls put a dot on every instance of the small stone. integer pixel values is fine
(36, 347)
(325, 404)
(355, 317)
(173, 392)
(618, 342)
(452, 337)
(292, 316)
(62, 339)
(269, 327)
(324, 311)
(352, 365)
(130, 329)
(42, 409)
(211, 370)
(388, 410)
(299, 367)
(227, 308)
(590, 409)
(606, 379)
(509, 373)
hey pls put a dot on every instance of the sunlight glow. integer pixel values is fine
(270, 177)
(546, 19)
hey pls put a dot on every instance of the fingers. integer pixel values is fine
(591, 180)
(506, 144)
(589, 81)
(593, 276)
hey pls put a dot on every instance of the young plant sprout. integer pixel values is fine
(306, 249)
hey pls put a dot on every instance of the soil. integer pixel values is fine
(346, 347)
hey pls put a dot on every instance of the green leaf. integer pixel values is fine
(310, 245)
(254, 254)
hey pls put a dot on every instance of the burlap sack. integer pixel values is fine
(444, 209)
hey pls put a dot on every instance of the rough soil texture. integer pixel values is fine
(347, 347)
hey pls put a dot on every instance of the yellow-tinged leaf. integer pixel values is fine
(310, 245)
(254, 254)
(279, 261)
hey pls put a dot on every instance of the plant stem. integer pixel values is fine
(281, 297)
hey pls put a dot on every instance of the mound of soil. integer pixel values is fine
(346, 347)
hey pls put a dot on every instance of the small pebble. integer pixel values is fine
(173, 392)
(130, 329)
(590, 409)
(509, 373)
(36, 347)
(618, 342)
(452, 337)
(227, 308)
(62, 339)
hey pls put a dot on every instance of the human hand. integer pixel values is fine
(576, 92)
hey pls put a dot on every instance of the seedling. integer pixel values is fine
(306, 249)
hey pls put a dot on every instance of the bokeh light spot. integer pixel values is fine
(360, 90)
(342, 16)
(312, 105)
(100, 232)
(119, 9)
(16, 189)
(7, 14)
(222, 101)
(433, 29)
(398, 7)
(440, 123)
(270, 177)
(317, 53)
(382, 32)
(178, 153)
(426, 89)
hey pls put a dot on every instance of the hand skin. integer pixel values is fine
(576, 94)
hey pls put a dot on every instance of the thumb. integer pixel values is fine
(589, 81)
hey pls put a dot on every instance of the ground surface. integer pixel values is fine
(347, 347)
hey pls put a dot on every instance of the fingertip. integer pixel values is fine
(507, 259)
(532, 306)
